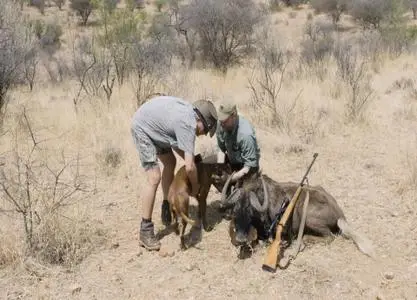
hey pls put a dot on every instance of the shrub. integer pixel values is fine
(293, 2)
(160, 4)
(15, 43)
(413, 5)
(370, 13)
(92, 67)
(266, 81)
(132, 4)
(397, 39)
(106, 6)
(224, 28)
(48, 34)
(37, 185)
(8, 250)
(151, 63)
(83, 8)
(274, 5)
(39, 4)
(109, 159)
(352, 71)
(316, 46)
(122, 29)
(334, 8)
(59, 3)
(393, 33)
(177, 18)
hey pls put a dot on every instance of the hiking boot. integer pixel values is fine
(147, 238)
(165, 213)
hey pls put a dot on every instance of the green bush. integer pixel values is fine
(83, 8)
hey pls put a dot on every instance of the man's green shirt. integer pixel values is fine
(240, 144)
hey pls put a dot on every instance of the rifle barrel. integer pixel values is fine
(308, 170)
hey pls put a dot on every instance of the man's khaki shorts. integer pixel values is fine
(148, 151)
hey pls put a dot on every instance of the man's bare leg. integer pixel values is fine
(147, 237)
(153, 179)
(169, 161)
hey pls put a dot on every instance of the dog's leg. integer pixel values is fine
(174, 215)
(182, 231)
(182, 205)
(175, 218)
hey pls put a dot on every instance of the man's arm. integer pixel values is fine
(186, 135)
(191, 171)
(248, 148)
(221, 148)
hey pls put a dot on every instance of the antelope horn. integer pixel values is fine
(254, 199)
(233, 197)
(225, 187)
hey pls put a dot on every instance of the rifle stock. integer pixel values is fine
(271, 258)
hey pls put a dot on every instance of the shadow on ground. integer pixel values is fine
(193, 235)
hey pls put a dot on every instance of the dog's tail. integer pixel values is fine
(187, 219)
(364, 245)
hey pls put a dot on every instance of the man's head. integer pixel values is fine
(227, 115)
(207, 117)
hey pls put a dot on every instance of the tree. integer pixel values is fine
(224, 28)
(15, 44)
(83, 8)
(334, 8)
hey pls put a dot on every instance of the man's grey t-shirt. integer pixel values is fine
(168, 121)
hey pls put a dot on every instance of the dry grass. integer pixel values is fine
(369, 166)
(9, 249)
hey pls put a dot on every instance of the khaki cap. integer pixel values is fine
(226, 109)
(208, 115)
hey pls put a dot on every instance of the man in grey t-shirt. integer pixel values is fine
(161, 124)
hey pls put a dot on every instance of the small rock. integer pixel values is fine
(369, 165)
(76, 289)
(117, 278)
(166, 252)
(394, 213)
(389, 275)
(140, 252)
(115, 245)
(190, 267)
(380, 297)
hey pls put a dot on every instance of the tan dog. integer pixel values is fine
(179, 196)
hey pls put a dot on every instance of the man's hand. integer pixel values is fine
(242, 172)
(191, 170)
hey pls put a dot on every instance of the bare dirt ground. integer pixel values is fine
(370, 167)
